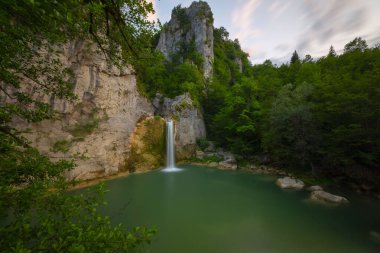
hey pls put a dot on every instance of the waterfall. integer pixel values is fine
(170, 152)
(170, 156)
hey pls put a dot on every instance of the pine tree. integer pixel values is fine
(295, 58)
(332, 52)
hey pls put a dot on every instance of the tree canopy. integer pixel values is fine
(32, 36)
(320, 115)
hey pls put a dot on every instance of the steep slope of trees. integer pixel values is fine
(230, 102)
(36, 218)
(321, 115)
(318, 115)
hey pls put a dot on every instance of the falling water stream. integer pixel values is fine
(170, 151)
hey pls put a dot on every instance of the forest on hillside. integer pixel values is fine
(318, 115)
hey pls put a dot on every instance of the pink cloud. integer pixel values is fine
(242, 18)
(153, 16)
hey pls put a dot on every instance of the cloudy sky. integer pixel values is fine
(273, 29)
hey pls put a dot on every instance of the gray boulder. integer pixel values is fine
(228, 164)
(315, 188)
(211, 147)
(327, 197)
(227, 156)
(290, 183)
(200, 154)
(213, 164)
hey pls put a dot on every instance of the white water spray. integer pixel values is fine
(170, 152)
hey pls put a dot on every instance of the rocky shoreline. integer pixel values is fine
(285, 181)
(217, 158)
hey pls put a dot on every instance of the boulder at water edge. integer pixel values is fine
(327, 197)
(199, 154)
(290, 183)
(213, 164)
(228, 164)
(315, 188)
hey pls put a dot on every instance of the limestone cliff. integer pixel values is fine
(99, 124)
(111, 125)
(188, 121)
(190, 25)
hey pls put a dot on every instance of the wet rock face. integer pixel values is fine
(188, 122)
(194, 24)
(147, 145)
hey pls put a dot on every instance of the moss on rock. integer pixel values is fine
(147, 145)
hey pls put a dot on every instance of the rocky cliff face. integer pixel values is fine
(190, 25)
(147, 145)
(100, 123)
(111, 124)
(188, 122)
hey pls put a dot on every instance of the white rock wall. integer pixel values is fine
(119, 106)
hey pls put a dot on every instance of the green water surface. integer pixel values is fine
(208, 210)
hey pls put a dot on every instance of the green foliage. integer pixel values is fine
(358, 44)
(155, 137)
(221, 34)
(291, 131)
(226, 54)
(316, 115)
(307, 59)
(339, 117)
(320, 115)
(295, 58)
(180, 14)
(59, 223)
(238, 121)
(183, 106)
(86, 126)
(37, 214)
(206, 159)
(348, 106)
(187, 52)
(170, 78)
(62, 146)
(230, 103)
(332, 52)
(202, 143)
(205, 12)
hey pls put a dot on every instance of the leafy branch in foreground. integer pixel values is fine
(34, 35)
